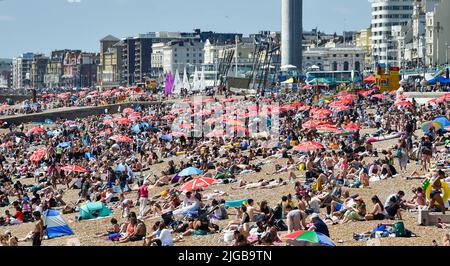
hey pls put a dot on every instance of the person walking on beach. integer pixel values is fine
(143, 198)
(38, 231)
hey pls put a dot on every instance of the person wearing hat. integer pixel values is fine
(318, 225)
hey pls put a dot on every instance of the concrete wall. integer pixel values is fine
(72, 113)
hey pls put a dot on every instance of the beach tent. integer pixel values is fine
(56, 226)
(92, 210)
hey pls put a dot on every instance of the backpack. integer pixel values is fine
(281, 225)
(399, 229)
(277, 212)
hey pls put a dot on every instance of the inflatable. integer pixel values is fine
(180, 153)
(237, 144)
(227, 147)
(235, 203)
(445, 189)
(385, 137)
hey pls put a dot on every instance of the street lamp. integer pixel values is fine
(446, 52)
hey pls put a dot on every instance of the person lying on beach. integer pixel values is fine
(442, 225)
(261, 184)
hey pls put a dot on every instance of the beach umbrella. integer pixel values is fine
(328, 128)
(196, 183)
(227, 100)
(64, 144)
(168, 117)
(312, 124)
(215, 134)
(352, 127)
(322, 112)
(190, 171)
(403, 103)
(121, 138)
(183, 126)
(365, 93)
(340, 108)
(166, 138)
(73, 168)
(128, 111)
(437, 100)
(234, 122)
(304, 108)
(123, 121)
(38, 155)
(426, 127)
(379, 96)
(178, 134)
(308, 146)
(238, 129)
(320, 116)
(149, 117)
(36, 130)
(311, 237)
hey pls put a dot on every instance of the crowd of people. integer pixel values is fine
(111, 159)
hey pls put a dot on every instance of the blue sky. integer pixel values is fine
(45, 25)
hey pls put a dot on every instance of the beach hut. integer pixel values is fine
(56, 226)
(93, 210)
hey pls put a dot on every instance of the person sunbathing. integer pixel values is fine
(114, 229)
(135, 231)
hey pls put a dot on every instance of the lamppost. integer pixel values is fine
(447, 47)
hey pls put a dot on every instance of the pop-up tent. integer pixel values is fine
(56, 226)
(93, 210)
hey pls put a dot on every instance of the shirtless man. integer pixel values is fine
(38, 231)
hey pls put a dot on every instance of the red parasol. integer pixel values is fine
(309, 146)
(74, 168)
(196, 183)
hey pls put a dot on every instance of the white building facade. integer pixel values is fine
(21, 71)
(168, 57)
(385, 14)
(335, 57)
(438, 34)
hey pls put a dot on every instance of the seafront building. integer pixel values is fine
(385, 15)
(438, 34)
(38, 69)
(334, 57)
(110, 66)
(5, 73)
(21, 71)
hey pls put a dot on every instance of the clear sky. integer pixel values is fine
(45, 25)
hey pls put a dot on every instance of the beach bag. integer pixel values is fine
(281, 225)
(398, 153)
(277, 212)
(399, 229)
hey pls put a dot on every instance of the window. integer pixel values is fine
(187, 55)
(334, 56)
(357, 66)
(346, 66)
(335, 66)
(346, 55)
